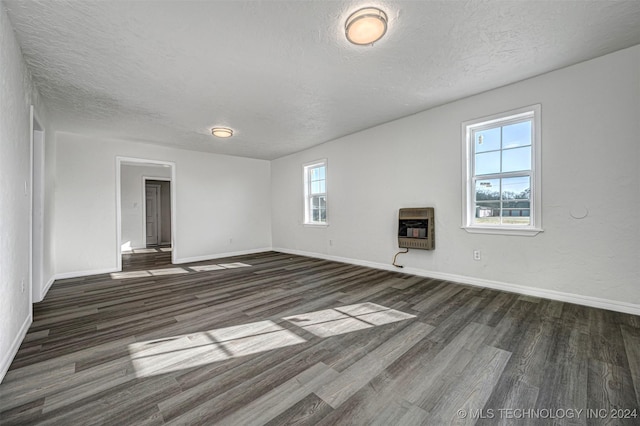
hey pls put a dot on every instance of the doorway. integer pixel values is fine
(146, 208)
(157, 212)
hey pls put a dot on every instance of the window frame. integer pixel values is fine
(469, 178)
(308, 196)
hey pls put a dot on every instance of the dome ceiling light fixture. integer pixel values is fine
(222, 132)
(366, 26)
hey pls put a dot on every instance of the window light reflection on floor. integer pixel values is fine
(345, 319)
(176, 270)
(193, 350)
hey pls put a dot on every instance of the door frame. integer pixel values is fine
(142, 162)
(36, 207)
(144, 206)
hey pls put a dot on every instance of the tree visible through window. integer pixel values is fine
(315, 182)
(500, 182)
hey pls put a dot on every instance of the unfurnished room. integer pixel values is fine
(320, 212)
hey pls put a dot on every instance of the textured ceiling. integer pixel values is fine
(281, 73)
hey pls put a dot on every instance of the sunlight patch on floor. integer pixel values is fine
(145, 250)
(176, 353)
(346, 319)
(176, 270)
(234, 265)
(167, 271)
(203, 268)
(129, 274)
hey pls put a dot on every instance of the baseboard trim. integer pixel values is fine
(221, 255)
(78, 274)
(8, 357)
(45, 290)
(594, 302)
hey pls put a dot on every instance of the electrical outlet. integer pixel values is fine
(476, 255)
(331, 242)
(22, 285)
(230, 240)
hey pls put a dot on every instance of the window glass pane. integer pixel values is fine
(315, 215)
(322, 202)
(516, 188)
(323, 187)
(515, 160)
(488, 162)
(488, 189)
(518, 205)
(487, 213)
(515, 135)
(315, 173)
(323, 215)
(487, 140)
(315, 187)
(321, 172)
(516, 217)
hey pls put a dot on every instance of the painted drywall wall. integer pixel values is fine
(132, 197)
(223, 202)
(590, 162)
(17, 94)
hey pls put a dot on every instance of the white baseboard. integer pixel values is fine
(220, 255)
(45, 290)
(77, 274)
(7, 358)
(594, 302)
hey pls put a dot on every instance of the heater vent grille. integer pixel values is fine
(416, 228)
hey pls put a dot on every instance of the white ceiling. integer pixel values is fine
(281, 73)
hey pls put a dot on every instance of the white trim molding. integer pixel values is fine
(8, 357)
(594, 302)
(46, 288)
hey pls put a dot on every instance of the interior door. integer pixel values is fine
(152, 206)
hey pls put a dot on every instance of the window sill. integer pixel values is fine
(521, 232)
(315, 225)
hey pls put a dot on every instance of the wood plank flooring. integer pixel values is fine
(278, 339)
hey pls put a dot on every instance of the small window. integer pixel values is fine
(315, 193)
(502, 173)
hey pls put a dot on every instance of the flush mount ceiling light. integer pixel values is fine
(366, 26)
(222, 132)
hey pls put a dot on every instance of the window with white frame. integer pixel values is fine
(315, 193)
(502, 173)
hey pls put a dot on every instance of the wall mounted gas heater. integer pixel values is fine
(415, 230)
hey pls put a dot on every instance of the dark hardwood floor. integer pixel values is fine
(278, 339)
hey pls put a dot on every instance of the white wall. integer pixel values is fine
(132, 197)
(591, 159)
(17, 93)
(223, 202)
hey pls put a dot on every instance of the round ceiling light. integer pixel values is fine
(222, 132)
(366, 26)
